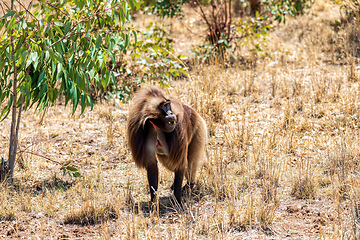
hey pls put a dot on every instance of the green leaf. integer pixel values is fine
(58, 57)
(135, 37)
(122, 16)
(53, 93)
(41, 78)
(60, 24)
(67, 164)
(134, 4)
(4, 113)
(11, 24)
(105, 80)
(57, 29)
(2, 23)
(70, 66)
(80, 4)
(126, 45)
(9, 14)
(116, 17)
(25, 86)
(6, 110)
(52, 56)
(83, 103)
(75, 98)
(98, 42)
(67, 27)
(72, 169)
(91, 102)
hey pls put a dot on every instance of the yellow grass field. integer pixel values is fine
(283, 150)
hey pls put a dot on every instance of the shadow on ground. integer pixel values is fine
(165, 205)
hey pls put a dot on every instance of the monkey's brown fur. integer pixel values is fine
(180, 150)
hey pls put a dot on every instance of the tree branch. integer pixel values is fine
(203, 15)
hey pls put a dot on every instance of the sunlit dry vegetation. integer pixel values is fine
(283, 149)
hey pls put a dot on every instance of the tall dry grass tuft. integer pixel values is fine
(90, 202)
(206, 96)
(8, 208)
(304, 185)
(105, 112)
(354, 190)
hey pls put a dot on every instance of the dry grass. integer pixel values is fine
(283, 151)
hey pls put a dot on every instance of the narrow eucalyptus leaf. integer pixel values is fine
(9, 14)
(72, 169)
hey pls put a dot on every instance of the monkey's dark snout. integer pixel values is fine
(171, 119)
(172, 123)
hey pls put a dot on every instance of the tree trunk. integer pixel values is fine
(13, 132)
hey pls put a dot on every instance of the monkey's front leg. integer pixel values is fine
(153, 178)
(179, 176)
(151, 162)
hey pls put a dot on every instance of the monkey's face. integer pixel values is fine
(168, 118)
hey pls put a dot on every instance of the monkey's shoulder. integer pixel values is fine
(180, 107)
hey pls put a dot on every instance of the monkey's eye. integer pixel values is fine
(165, 104)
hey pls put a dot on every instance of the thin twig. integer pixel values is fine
(6, 87)
(187, 28)
(230, 20)
(56, 8)
(3, 10)
(6, 5)
(181, 62)
(39, 155)
(27, 10)
(203, 15)
(226, 13)
(30, 4)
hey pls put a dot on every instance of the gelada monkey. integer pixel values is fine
(161, 128)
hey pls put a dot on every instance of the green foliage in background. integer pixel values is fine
(151, 59)
(352, 8)
(227, 33)
(154, 56)
(163, 8)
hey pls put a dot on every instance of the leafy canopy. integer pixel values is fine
(61, 47)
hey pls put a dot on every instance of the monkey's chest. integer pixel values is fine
(161, 144)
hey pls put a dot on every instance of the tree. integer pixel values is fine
(58, 47)
(225, 32)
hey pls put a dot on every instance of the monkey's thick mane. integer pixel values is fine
(177, 140)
